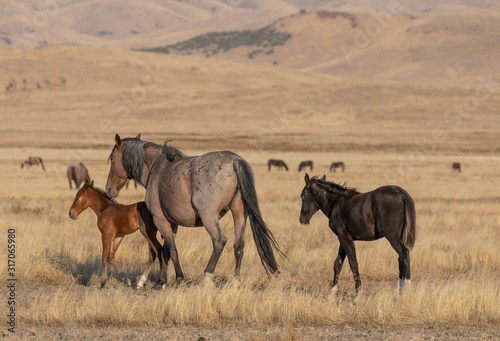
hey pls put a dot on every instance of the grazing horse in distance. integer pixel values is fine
(305, 164)
(194, 191)
(336, 165)
(115, 221)
(387, 212)
(277, 163)
(456, 167)
(32, 161)
(78, 173)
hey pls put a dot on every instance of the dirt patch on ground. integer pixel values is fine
(255, 333)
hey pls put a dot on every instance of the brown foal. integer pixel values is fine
(115, 221)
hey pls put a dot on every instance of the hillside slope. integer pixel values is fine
(80, 97)
(149, 23)
(419, 47)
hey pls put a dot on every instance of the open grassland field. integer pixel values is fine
(454, 294)
(423, 95)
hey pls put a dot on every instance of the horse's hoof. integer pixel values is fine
(159, 285)
(128, 283)
(208, 281)
(333, 293)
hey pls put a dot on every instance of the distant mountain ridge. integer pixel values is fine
(150, 23)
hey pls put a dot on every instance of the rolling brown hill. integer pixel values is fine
(75, 97)
(149, 23)
(422, 47)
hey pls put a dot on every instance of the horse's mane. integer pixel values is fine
(102, 192)
(133, 156)
(332, 186)
(170, 152)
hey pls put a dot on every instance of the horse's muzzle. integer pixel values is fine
(303, 221)
(72, 215)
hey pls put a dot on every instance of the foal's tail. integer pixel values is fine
(41, 162)
(263, 237)
(409, 233)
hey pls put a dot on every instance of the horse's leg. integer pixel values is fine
(403, 261)
(337, 268)
(212, 226)
(348, 245)
(116, 244)
(155, 249)
(151, 260)
(239, 218)
(106, 249)
(177, 266)
(167, 230)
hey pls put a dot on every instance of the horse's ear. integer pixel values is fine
(86, 184)
(118, 140)
(138, 136)
(323, 178)
(306, 178)
(92, 183)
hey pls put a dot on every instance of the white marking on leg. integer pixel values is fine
(333, 292)
(208, 280)
(142, 280)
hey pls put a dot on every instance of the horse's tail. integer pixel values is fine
(263, 237)
(41, 162)
(286, 167)
(409, 233)
(74, 178)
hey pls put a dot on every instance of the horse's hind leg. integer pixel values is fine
(218, 241)
(348, 245)
(403, 261)
(116, 244)
(404, 268)
(151, 260)
(337, 268)
(239, 218)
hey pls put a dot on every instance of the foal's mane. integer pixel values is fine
(102, 192)
(333, 187)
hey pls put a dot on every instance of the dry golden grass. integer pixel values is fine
(455, 264)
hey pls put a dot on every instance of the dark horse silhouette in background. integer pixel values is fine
(387, 212)
(277, 163)
(456, 167)
(336, 165)
(194, 191)
(78, 173)
(32, 161)
(305, 164)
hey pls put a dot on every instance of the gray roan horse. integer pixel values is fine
(387, 212)
(193, 191)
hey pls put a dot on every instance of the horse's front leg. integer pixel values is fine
(168, 231)
(337, 268)
(106, 249)
(347, 244)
